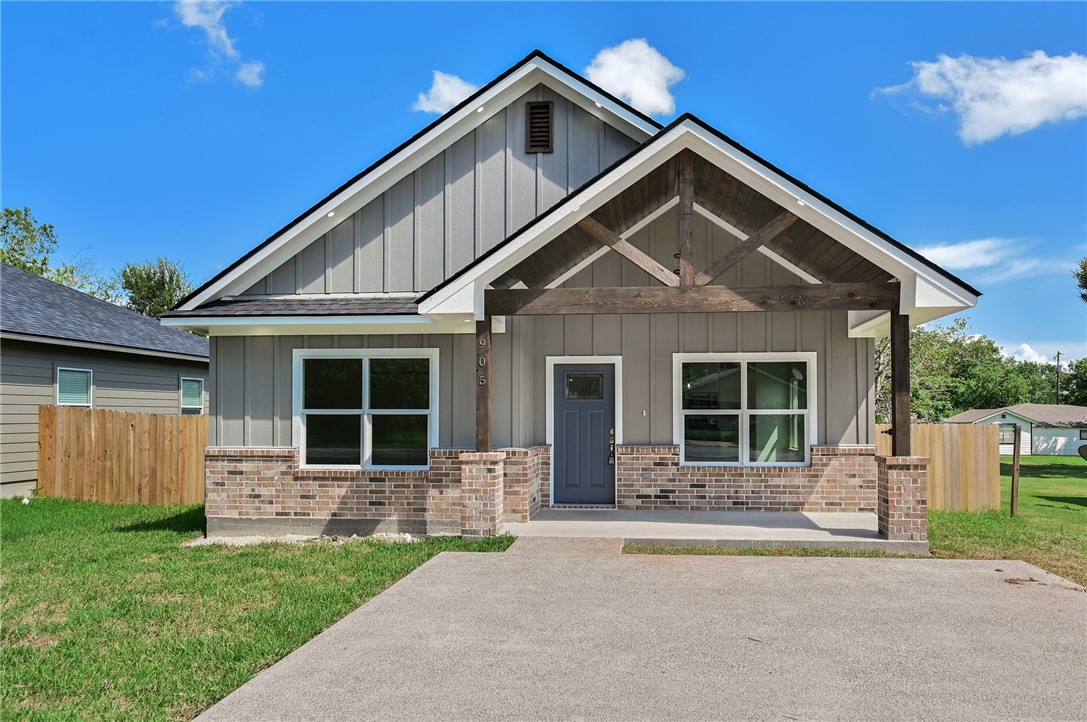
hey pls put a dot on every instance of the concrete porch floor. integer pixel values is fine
(818, 530)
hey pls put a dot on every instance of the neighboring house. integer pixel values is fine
(676, 324)
(60, 346)
(1054, 429)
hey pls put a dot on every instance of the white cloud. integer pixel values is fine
(445, 92)
(636, 72)
(207, 15)
(1025, 352)
(995, 96)
(970, 254)
(994, 260)
(251, 74)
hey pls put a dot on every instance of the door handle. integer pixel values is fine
(611, 447)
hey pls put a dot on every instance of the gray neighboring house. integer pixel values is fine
(1048, 429)
(61, 346)
(547, 299)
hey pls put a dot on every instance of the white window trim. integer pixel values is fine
(90, 389)
(181, 392)
(812, 412)
(298, 428)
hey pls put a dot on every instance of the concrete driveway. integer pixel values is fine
(572, 629)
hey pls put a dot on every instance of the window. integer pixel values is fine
(369, 408)
(192, 396)
(1083, 434)
(74, 387)
(1007, 433)
(744, 409)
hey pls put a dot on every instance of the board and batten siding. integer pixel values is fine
(454, 208)
(254, 374)
(124, 382)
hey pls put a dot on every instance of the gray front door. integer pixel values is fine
(584, 451)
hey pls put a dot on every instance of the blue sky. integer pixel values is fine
(138, 135)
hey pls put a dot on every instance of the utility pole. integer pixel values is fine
(1058, 377)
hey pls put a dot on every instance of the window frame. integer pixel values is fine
(181, 394)
(810, 413)
(299, 414)
(90, 387)
(1004, 426)
(1083, 434)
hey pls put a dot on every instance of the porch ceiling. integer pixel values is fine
(719, 194)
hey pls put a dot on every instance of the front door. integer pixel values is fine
(584, 451)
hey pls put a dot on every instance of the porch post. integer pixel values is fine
(900, 384)
(483, 385)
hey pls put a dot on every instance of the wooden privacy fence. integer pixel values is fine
(121, 457)
(964, 463)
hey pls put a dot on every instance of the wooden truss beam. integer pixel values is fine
(759, 238)
(692, 299)
(686, 218)
(613, 240)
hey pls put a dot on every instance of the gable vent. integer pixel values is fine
(540, 132)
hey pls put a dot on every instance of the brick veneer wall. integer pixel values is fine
(902, 491)
(527, 472)
(265, 485)
(840, 478)
(482, 493)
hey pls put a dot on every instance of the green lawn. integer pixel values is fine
(105, 615)
(1050, 530)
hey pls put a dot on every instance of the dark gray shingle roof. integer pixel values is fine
(334, 306)
(34, 306)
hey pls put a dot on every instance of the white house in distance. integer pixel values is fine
(1055, 429)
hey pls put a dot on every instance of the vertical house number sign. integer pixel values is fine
(482, 363)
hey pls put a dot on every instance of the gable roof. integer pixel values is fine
(35, 308)
(943, 289)
(537, 64)
(1048, 415)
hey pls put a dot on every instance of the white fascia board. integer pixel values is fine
(414, 156)
(455, 297)
(334, 325)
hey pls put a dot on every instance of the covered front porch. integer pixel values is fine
(857, 531)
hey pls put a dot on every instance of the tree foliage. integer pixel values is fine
(27, 244)
(953, 370)
(1080, 273)
(154, 288)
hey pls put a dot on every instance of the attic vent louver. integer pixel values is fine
(540, 127)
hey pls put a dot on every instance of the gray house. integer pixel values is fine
(60, 346)
(545, 298)
(1048, 429)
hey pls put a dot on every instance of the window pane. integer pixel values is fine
(711, 438)
(1007, 433)
(332, 383)
(777, 438)
(584, 386)
(334, 439)
(192, 393)
(711, 385)
(777, 385)
(73, 387)
(399, 440)
(399, 383)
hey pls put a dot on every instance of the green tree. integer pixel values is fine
(154, 288)
(25, 243)
(1080, 273)
(1074, 383)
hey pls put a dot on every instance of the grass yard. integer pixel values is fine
(105, 615)
(1050, 530)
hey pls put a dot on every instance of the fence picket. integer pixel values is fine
(121, 457)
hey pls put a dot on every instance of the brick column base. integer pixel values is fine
(902, 497)
(481, 493)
